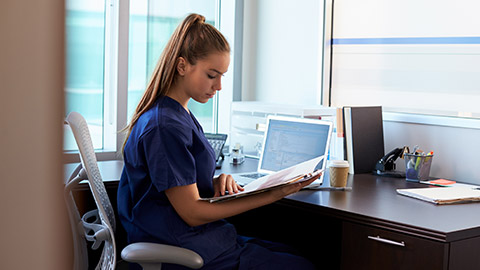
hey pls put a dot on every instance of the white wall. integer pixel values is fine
(439, 78)
(280, 64)
(455, 149)
(281, 51)
(415, 56)
(34, 229)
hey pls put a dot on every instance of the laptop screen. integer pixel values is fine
(289, 141)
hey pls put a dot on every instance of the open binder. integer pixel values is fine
(294, 174)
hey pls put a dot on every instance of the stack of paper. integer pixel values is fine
(443, 195)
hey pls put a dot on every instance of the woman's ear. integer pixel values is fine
(181, 66)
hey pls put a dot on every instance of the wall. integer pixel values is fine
(282, 51)
(455, 149)
(415, 57)
(34, 229)
(279, 65)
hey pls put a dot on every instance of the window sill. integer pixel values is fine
(102, 155)
(434, 120)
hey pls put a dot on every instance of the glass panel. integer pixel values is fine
(422, 66)
(85, 32)
(151, 25)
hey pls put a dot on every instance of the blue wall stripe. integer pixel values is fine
(407, 40)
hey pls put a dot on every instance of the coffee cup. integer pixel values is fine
(338, 173)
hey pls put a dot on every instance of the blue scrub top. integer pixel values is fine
(167, 148)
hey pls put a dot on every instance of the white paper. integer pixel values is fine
(442, 194)
(278, 178)
(284, 175)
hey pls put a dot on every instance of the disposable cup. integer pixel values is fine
(338, 173)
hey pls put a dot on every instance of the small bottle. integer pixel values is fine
(237, 156)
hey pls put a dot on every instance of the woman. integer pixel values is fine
(169, 164)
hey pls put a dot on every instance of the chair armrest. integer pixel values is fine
(151, 253)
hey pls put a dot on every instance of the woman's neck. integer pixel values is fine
(179, 98)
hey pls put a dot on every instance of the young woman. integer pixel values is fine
(169, 163)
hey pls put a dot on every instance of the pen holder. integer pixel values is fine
(417, 167)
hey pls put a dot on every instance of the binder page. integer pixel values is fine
(298, 173)
(283, 176)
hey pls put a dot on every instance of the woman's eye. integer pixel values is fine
(210, 76)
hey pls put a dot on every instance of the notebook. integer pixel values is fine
(289, 141)
(443, 195)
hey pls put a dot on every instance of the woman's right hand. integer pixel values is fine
(293, 188)
(225, 182)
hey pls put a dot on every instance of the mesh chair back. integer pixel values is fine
(80, 258)
(105, 210)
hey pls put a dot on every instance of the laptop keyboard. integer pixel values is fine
(253, 175)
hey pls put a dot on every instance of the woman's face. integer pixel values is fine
(202, 80)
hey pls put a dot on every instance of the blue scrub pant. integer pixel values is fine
(255, 254)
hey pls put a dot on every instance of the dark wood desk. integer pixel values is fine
(434, 237)
(369, 227)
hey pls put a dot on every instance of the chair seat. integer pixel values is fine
(148, 253)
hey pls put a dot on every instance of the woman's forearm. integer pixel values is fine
(185, 200)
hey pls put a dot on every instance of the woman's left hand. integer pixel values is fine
(225, 182)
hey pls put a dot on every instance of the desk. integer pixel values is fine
(334, 226)
(435, 237)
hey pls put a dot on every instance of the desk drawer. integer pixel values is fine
(370, 248)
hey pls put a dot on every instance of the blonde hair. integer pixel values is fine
(193, 40)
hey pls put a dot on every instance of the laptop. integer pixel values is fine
(289, 141)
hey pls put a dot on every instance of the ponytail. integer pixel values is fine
(193, 39)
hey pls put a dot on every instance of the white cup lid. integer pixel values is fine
(339, 163)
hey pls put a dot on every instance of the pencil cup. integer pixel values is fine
(338, 173)
(417, 167)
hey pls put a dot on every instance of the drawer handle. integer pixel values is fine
(391, 242)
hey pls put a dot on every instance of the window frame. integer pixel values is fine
(116, 76)
(115, 65)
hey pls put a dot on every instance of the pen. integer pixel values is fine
(298, 178)
(417, 163)
(305, 176)
(428, 156)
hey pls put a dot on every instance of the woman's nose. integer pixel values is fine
(217, 85)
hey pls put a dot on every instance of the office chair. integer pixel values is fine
(98, 226)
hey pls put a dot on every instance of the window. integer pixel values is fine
(85, 53)
(151, 25)
(407, 63)
(93, 54)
